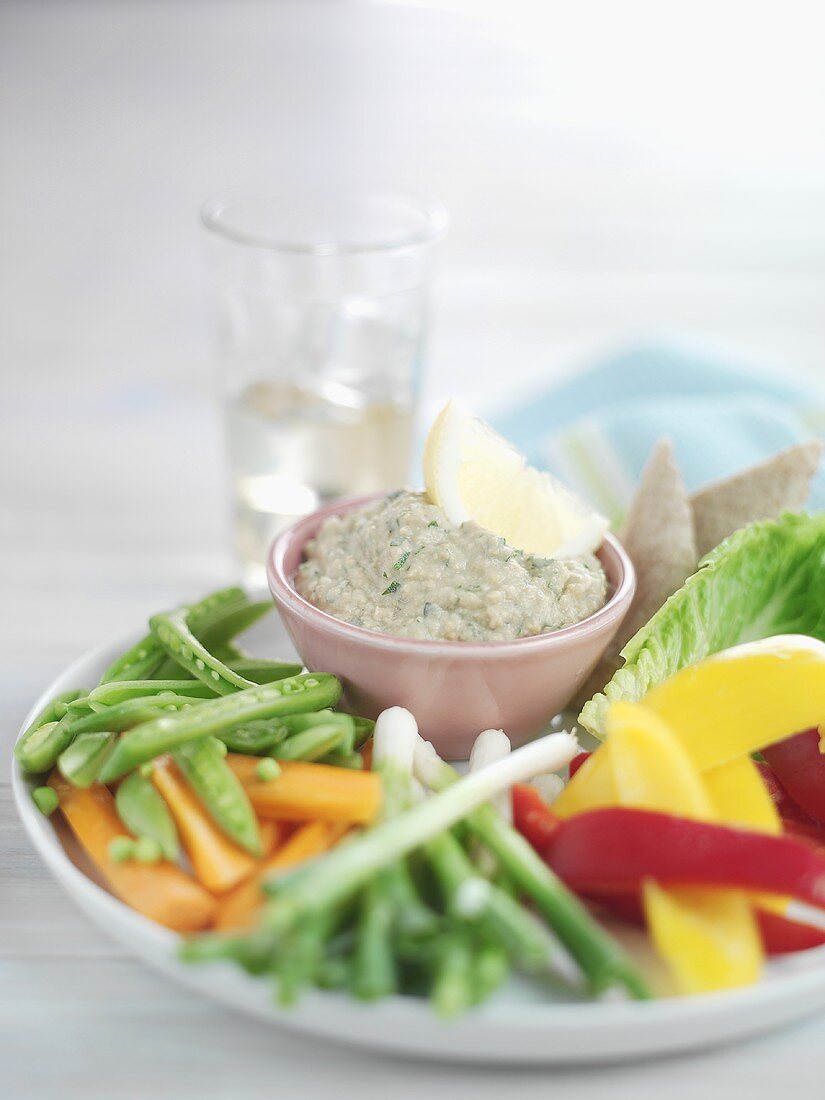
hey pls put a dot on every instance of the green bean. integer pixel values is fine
(524, 936)
(81, 762)
(173, 633)
(254, 738)
(491, 966)
(38, 751)
(220, 791)
(308, 691)
(334, 972)
(374, 970)
(144, 812)
(118, 691)
(299, 964)
(452, 991)
(311, 744)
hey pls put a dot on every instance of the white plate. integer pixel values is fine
(519, 1025)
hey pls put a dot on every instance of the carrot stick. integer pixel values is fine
(366, 755)
(310, 792)
(217, 862)
(237, 909)
(160, 891)
(273, 835)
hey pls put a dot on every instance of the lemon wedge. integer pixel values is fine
(471, 473)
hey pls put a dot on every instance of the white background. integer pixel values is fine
(614, 171)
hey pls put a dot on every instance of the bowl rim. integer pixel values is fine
(286, 595)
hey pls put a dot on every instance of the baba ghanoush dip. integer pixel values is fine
(400, 567)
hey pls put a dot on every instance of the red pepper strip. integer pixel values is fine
(807, 832)
(800, 768)
(625, 907)
(533, 818)
(603, 851)
(785, 805)
(577, 762)
(780, 936)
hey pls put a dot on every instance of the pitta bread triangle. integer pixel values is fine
(658, 535)
(764, 491)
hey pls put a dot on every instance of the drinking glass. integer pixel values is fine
(321, 302)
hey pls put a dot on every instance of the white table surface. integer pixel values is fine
(118, 119)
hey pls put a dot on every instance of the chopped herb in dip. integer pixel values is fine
(450, 583)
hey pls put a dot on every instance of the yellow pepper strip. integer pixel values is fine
(708, 938)
(739, 701)
(723, 709)
(651, 770)
(740, 798)
(591, 788)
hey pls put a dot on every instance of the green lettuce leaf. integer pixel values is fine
(766, 579)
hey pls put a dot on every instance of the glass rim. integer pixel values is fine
(433, 210)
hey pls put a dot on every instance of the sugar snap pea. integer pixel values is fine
(39, 749)
(52, 712)
(255, 738)
(119, 691)
(345, 723)
(364, 728)
(309, 691)
(144, 658)
(131, 712)
(351, 760)
(311, 744)
(317, 740)
(40, 744)
(259, 670)
(216, 785)
(143, 811)
(215, 621)
(173, 633)
(297, 723)
(262, 671)
(81, 762)
(137, 663)
(234, 621)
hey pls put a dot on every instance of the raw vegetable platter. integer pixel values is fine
(519, 1024)
(224, 816)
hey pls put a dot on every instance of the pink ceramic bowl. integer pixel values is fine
(454, 689)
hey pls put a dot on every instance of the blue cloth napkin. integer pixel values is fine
(595, 431)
